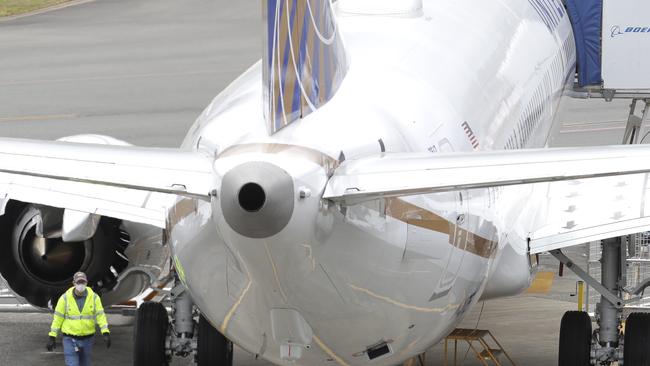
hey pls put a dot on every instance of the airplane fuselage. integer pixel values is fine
(400, 272)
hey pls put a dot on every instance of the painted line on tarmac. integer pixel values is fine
(592, 126)
(108, 77)
(591, 123)
(593, 129)
(45, 10)
(37, 117)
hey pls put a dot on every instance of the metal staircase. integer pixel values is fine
(486, 348)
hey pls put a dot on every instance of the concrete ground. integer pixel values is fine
(142, 70)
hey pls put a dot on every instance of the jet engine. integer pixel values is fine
(38, 264)
(41, 248)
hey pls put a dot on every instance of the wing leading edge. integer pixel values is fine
(114, 181)
(577, 195)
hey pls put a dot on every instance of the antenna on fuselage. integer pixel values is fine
(304, 60)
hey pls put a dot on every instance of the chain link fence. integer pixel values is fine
(638, 269)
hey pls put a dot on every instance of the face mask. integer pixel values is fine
(80, 287)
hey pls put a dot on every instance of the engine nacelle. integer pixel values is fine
(38, 264)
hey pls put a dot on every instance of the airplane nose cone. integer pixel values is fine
(257, 199)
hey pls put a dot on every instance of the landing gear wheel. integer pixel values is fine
(575, 339)
(637, 338)
(150, 333)
(213, 348)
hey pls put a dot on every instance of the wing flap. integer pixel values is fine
(392, 175)
(151, 169)
(573, 195)
(586, 210)
(129, 183)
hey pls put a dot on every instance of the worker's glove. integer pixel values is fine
(51, 344)
(107, 340)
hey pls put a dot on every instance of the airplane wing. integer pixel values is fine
(113, 181)
(584, 194)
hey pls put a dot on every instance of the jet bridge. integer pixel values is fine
(612, 44)
(613, 54)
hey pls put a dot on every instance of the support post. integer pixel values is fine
(581, 295)
(609, 314)
(634, 122)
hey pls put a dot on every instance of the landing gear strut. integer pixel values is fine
(578, 345)
(610, 314)
(186, 333)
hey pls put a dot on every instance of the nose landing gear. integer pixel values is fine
(159, 337)
(608, 344)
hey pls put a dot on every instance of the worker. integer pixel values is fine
(75, 315)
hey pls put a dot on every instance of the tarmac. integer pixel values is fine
(142, 71)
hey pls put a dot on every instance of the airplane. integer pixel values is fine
(348, 199)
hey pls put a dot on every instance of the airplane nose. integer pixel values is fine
(257, 199)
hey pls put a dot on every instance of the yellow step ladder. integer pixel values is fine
(486, 348)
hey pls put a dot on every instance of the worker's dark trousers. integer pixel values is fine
(77, 352)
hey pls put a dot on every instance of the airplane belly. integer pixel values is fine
(388, 271)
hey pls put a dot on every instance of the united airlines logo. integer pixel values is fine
(617, 30)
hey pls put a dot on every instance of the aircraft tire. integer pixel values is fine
(637, 337)
(213, 349)
(150, 333)
(575, 339)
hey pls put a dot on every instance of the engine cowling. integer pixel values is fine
(38, 265)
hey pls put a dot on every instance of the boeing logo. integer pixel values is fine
(617, 30)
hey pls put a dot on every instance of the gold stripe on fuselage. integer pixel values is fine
(181, 209)
(404, 211)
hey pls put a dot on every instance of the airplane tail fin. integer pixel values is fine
(304, 59)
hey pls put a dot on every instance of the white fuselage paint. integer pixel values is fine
(458, 76)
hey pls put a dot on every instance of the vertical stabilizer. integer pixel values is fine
(304, 59)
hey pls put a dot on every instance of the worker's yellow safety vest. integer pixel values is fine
(70, 321)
